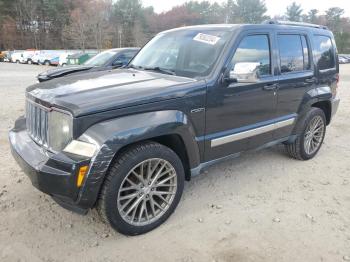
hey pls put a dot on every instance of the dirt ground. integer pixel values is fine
(262, 206)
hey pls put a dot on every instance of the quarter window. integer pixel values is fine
(324, 52)
(254, 51)
(291, 53)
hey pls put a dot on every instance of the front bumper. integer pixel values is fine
(53, 174)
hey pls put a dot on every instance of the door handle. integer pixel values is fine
(270, 87)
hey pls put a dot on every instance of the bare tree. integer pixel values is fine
(99, 13)
(77, 30)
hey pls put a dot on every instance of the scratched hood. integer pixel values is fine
(103, 91)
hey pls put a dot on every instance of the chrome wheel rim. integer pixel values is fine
(147, 192)
(314, 135)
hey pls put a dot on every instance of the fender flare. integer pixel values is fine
(112, 135)
(319, 94)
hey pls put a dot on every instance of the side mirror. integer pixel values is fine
(244, 72)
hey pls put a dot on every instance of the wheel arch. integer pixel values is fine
(319, 97)
(171, 128)
(326, 107)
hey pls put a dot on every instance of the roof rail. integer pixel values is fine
(281, 22)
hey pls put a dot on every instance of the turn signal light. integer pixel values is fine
(82, 172)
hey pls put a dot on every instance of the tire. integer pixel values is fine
(17, 61)
(115, 209)
(29, 62)
(300, 149)
(47, 63)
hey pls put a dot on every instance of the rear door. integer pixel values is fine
(296, 75)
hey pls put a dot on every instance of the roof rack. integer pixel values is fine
(280, 22)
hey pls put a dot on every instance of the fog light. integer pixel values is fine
(82, 172)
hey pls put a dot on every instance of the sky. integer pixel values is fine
(275, 7)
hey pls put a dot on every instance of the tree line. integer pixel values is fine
(101, 24)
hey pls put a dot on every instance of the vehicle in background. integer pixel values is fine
(63, 57)
(2, 55)
(6, 57)
(16, 57)
(35, 58)
(47, 55)
(106, 60)
(344, 59)
(79, 58)
(28, 55)
(54, 61)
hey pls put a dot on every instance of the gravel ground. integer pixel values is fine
(262, 206)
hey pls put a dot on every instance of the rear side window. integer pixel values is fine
(291, 53)
(254, 51)
(324, 52)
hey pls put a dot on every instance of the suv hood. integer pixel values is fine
(57, 72)
(100, 91)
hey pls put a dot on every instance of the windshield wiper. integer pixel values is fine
(160, 70)
(134, 66)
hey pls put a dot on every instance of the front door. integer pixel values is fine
(241, 115)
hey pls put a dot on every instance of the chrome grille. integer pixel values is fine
(37, 122)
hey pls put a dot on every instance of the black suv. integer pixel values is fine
(125, 141)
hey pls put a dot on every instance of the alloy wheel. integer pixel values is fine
(314, 135)
(147, 192)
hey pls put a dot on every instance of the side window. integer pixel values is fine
(291, 53)
(324, 52)
(124, 58)
(253, 53)
(120, 59)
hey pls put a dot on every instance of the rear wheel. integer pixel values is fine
(310, 140)
(142, 189)
(47, 63)
(29, 62)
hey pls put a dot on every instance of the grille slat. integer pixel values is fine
(37, 123)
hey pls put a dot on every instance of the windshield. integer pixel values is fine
(100, 59)
(184, 53)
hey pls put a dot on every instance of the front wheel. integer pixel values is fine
(310, 140)
(142, 189)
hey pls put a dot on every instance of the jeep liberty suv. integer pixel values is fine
(124, 141)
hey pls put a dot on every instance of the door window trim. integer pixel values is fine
(236, 44)
(300, 34)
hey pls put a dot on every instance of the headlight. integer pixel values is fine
(59, 130)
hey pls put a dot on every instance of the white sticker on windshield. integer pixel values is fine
(208, 39)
